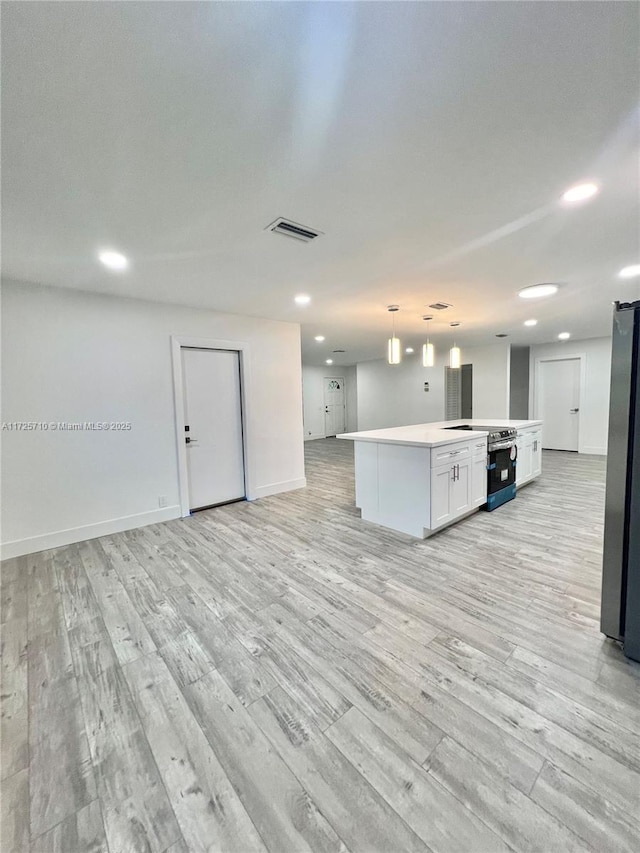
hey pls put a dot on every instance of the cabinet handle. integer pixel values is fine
(453, 452)
(480, 445)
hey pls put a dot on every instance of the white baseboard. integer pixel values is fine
(314, 437)
(19, 547)
(276, 488)
(595, 451)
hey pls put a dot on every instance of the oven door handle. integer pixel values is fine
(502, 445)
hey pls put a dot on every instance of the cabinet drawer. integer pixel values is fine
(451, 453)
(479, 448)
(526, 431)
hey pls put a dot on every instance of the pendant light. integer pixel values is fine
(428, 350)
(393, 347)
(455, 356)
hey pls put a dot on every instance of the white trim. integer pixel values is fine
(244, 352)
(58, 538)
(314, 437)
(276, 488)
(569, 356)
(595, 451)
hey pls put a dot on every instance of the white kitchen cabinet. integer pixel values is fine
(536, 454)
(479, 480)
(523, 463)
(461, 488)
(451, 489)
(441, 494)
(529, 463)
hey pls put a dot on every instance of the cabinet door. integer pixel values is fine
(536, 454)
(461, 489)
(523, 465)
(479, 481)
(441, 482)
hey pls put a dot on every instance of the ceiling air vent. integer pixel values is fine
(440, 306)
(293, 229)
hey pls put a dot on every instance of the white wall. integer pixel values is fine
(491, 371)
(313, 398)
(351, 378)
(394, 395)
(73, 356)
(594, 409)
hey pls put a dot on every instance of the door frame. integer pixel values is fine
(324, 405)
(244, 356)
(582, 358)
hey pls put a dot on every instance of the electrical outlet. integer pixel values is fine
(163, 501)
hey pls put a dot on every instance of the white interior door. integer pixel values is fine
(213, 413)
(559, 403)
(334, 405)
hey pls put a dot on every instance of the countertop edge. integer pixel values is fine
(450, 436)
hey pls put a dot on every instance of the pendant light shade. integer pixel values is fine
(393, 354)
(394, 350)
(455, 356)
(428, 350)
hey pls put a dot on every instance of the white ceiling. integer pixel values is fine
(410, 133)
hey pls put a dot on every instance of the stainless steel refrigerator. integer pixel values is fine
(620, 613)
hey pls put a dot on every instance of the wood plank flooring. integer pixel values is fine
(281, 676)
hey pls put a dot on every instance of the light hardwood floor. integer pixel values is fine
(282, 676)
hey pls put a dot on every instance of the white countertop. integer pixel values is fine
(434, 434)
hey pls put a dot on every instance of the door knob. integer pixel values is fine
(574, 410)
(189, 440)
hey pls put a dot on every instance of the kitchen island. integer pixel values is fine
(421, 478)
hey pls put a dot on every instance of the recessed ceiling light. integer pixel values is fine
(409, 350)
(630, 272)
(564, 336)
(537, 291)
(531, 322)
(302, 299)
(113, 260)
(329, 361)
(319, 338)
(581, 192)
